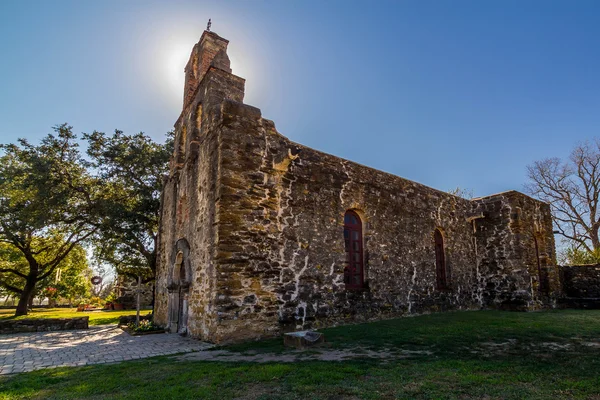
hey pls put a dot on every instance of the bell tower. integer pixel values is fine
(211, 50)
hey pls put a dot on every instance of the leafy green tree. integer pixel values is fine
(70, 281)
(578, 256)
(11, 258)
(47, 207)
(72, 278)
(132, 167)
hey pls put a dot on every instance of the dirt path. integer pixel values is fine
(316, 354)
(482, 349)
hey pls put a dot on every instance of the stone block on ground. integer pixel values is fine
(303, 339)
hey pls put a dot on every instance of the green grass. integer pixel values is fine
(465, 364)
(96, 317)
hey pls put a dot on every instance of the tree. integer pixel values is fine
(47, 207)
(11, 258)
(461, 192)
(574, 256)
(133, 167)
(572, 188)
(72, 279)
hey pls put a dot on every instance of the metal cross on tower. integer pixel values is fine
(208, 25)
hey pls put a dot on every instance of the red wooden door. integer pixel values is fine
(353, 240)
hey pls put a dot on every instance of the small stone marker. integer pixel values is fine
(303, 339)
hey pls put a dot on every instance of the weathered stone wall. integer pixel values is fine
(516, 254)
(251, 239)
(282, 205)
(43, 324)
(581, 281)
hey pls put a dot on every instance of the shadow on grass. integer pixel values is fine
(451, 372)
(447, 377)
(451, 333)
(103, 317)
(104, 321)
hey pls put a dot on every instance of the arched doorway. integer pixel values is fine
(441, 272)
(179, 289)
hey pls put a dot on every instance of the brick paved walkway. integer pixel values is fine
(24, 352)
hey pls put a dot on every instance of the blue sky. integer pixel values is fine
(446, 93)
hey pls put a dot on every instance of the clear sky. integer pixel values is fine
(447, 93)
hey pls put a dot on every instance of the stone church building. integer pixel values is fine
(260, 235)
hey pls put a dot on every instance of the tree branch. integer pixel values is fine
(13, 271)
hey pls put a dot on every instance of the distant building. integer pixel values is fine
(126, 290)
(260, 235)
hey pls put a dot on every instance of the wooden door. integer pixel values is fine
(353, 241)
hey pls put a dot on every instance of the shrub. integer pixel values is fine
(145, 326)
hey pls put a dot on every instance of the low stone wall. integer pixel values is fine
(580, 286)
(581, 281)
(36, 306)
(43, 325)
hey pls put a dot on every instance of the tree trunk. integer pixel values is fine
(595, 239)
(26, 296)
(153, 297)
(152, 262)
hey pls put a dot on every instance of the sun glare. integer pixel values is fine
(174, 51)
(175, 59)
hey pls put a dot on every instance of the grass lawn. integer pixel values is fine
(96, 317)
(462, 355)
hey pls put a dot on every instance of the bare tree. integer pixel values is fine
(572, 188)
(462, 192)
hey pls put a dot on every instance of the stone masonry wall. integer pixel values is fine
(516, 251)
(282, 208)
(581, 281)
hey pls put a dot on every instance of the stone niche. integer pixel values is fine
(275, 237)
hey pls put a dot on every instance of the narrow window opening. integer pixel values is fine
(440, 262)
(199, 117)
(181, 148)
(353, 242)
(542, 272)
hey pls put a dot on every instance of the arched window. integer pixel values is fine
(441, 272)
(542, 272)
(181, 146)
(353, 241)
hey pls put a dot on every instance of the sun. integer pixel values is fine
(176, 57)
(173, 53)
